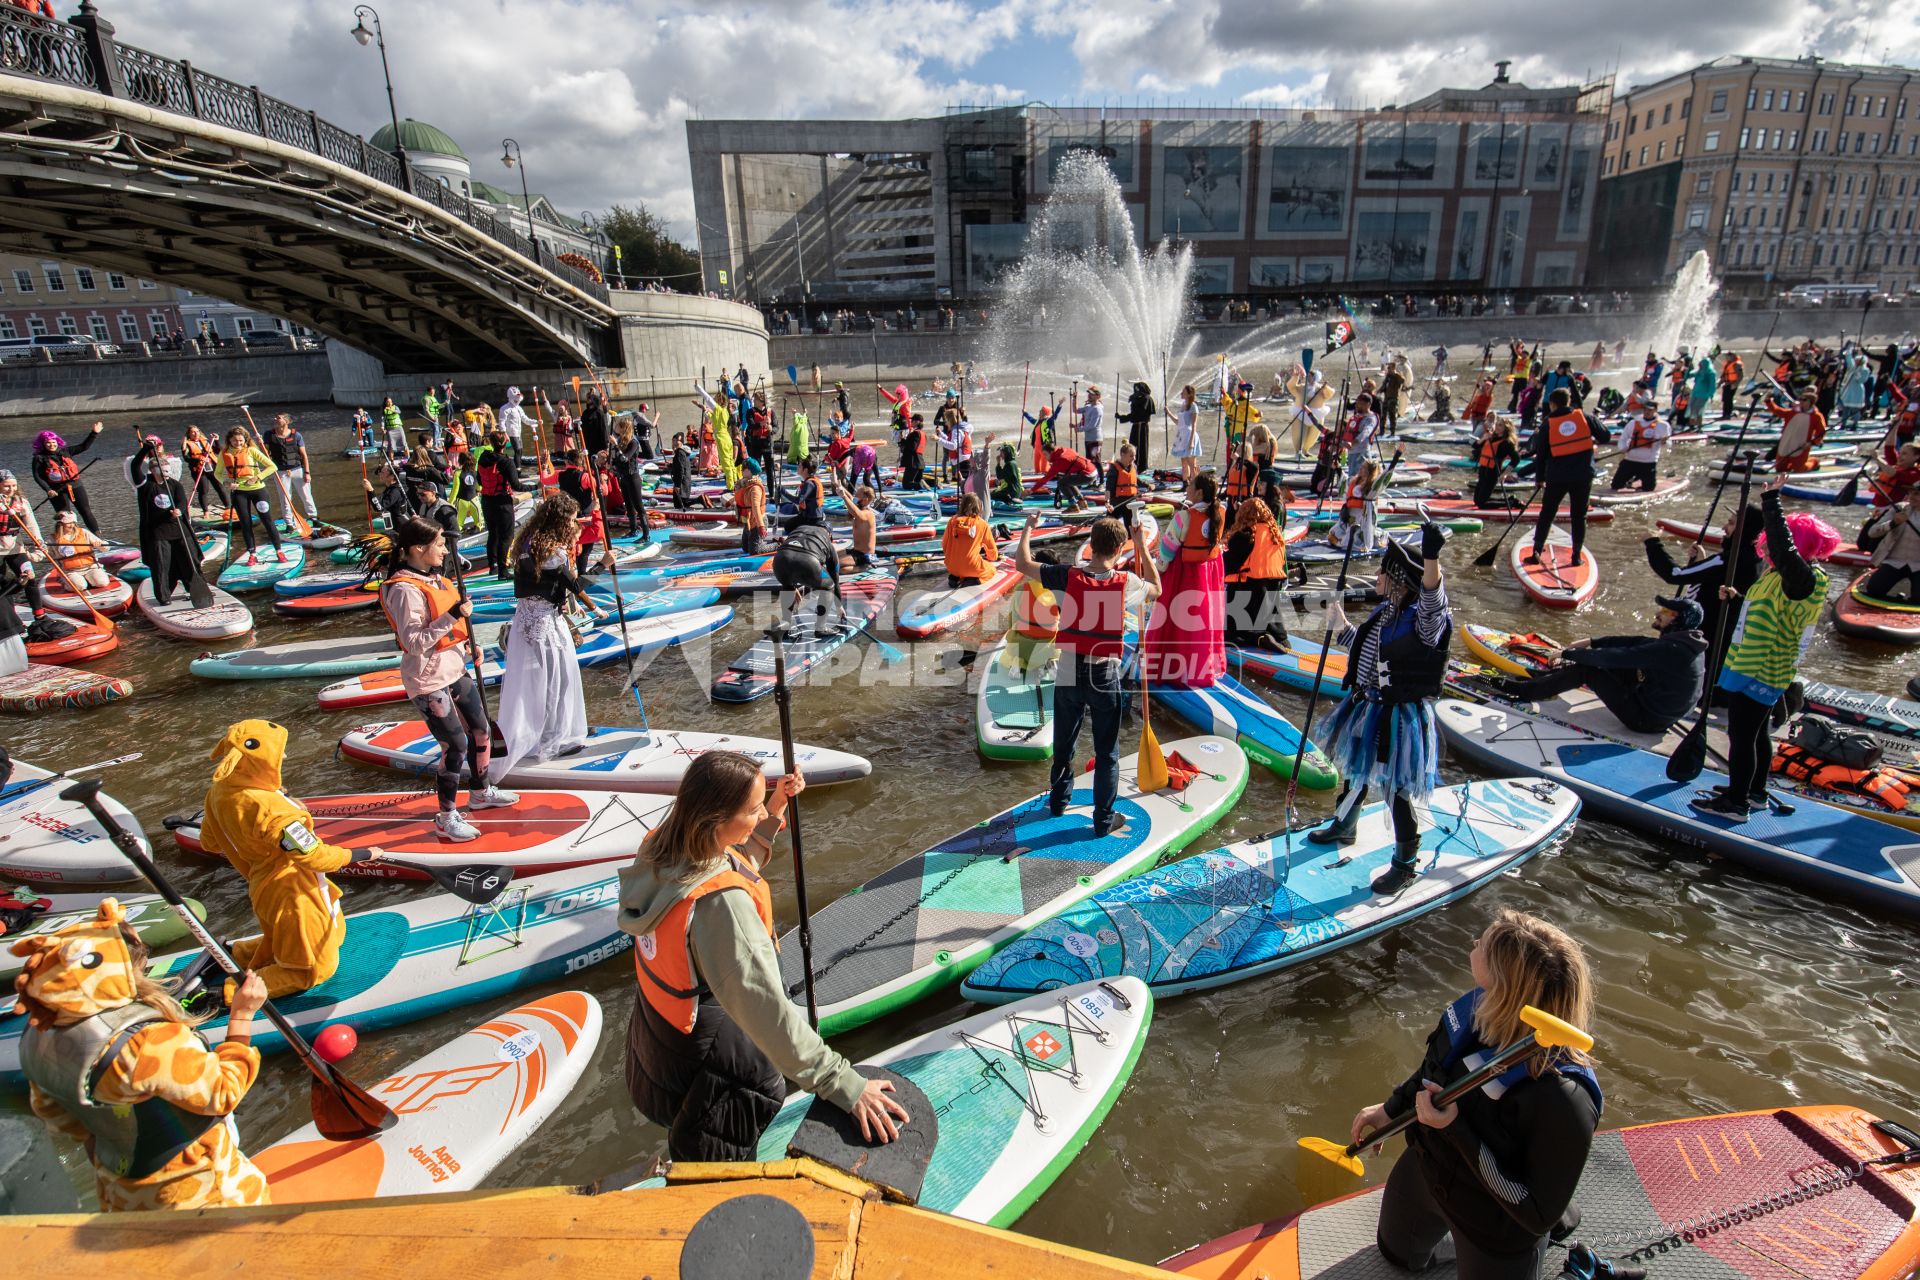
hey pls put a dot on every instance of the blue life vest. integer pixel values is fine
(1465, 1053)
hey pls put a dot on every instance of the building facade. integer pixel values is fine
(1784, 171)
(41, 297)
(1463, 190)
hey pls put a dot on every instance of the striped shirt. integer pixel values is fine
(1431, 615)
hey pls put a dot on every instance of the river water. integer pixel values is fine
(1717, 990)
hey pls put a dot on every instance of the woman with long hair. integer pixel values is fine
(1254, 561)
(543, 713)
(1185, 640)
(245, 470)
(1186, 434)
(714, 1036)
(1498, 1167)
(623, 459)
(500, 482)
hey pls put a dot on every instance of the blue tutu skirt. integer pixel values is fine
(1410, 766)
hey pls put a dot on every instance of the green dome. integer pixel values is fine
(417, 135)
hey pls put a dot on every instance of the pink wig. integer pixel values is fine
(1813, 537)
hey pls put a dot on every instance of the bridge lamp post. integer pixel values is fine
(360, 14)
(510, 156)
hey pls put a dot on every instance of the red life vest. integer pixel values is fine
(442, 596)
(1093, 616)
(61, 469)
(493, 477)
(662, 960)
(1569, 434)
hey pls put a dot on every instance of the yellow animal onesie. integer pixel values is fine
(269, 839)
(141, 1091)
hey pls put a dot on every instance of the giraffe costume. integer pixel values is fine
(146, 1097)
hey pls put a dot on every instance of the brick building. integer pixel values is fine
(39, 296)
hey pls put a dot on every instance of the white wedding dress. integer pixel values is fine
(542, 710)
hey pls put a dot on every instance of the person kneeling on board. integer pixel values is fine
(1383, 732)
(714, 1037)
(115, 1064)
(971, 555)
(1893, 536)
(1093, 624)
(249, 820)
(1649, 685)
(1497, 1168)
(807, 561)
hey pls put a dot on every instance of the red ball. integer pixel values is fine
(336, 1042)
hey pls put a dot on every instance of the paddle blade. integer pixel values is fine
(1486, 558)
(1325, 1170)
(479, 884)
(1848, 492)
(1552, 1033)
(1152, 774)
(342, 1110)
(1690, 757)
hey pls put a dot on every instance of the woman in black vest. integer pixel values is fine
(1383, 732)
(500, 482)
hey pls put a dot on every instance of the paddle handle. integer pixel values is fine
(1459, 1089)
(783, 699)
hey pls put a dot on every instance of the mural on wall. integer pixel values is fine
(1119, 153)
(1573, 209)
(1203, 190)
(1212, 275)
(1510, 248)
(1495, 158)
(1117, 143)
(1546, 156)
(1307, 189)
(1272, 273)
(1469, 240)
(1398, 157)
(1393, 246)
(992, 250)
(1321, 270)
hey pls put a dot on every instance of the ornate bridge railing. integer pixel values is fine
(83, 54)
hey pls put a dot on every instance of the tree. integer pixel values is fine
(649, 251)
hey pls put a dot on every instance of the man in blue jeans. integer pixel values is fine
(1092, 607)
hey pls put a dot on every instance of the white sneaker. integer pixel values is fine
(453, 825)
(492, 798)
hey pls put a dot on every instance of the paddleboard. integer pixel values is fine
(224, 619)
(923, 614)
(111, 600)
(1231, 710)
(1760, 1187)
(1013, 709)
(1821, 849)
(1855, 613)
(1664, 488)
(80, 641)
(1881, 712)
(313, 584)
(649, 760)
(924, 923)
(1295, 666)
(1508, 652)
(597, 645)
(54, 688)
(810, 637)
(1495, 517)
(213, 546)
(262, 567)
(1018, 1090)
(638, 605)
(147, 914)
(1554, 579)
(462, 1109)
(1277, 900)
(433, 952)
(47, 840)
(1688, 532)
(321, 604)
(329, 657)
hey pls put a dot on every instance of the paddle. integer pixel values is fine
(100, 619)
(9, 794)
(198, 591)
(1150, 770)
(1334, 1167)
(342, 1110)
(1690, 757)
(1851, 489)
(67, 485)
(299, 522)
(1486, 558)
(783, 699)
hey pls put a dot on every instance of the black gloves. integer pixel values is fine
(1432, 539)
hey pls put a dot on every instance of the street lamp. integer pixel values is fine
(360, 15)
(509, 155)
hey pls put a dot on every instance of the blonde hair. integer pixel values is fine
(150, 993)
(1533, 963)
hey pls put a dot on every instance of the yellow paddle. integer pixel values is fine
(1328, 1169)
(1150, 773)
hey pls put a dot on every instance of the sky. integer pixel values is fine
(597, 92)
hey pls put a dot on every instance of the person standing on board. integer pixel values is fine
(1563, 447)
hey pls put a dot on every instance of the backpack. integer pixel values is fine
(1835, 745)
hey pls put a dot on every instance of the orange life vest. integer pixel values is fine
(1196, 545)
(1490, 451)
(750, 501)
(1642, 435)
(62, 469)
(664, 963)
(1036, 615)
(1126, 483)
(239, 465)
(1240, 480)
(1268, 559)
(196, 451)
(1885, 787)
(1569, 434)
(442, 596)
(968, 547)
(1357, 491)
(76, 555)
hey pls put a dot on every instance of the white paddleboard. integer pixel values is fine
(47, 840)
(224, 619)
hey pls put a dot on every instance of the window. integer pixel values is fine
(1849, 254)
(70, 326)
(1856, 219)
(157, 323)
(1780, 216)
(1703, 184)
(1849, 187)
(83, 279)
(1752, 180)
(1712, 141)
(1739, 255)
(36, 327)
(1768, 184)
(1818, 142)
(1666, 114)
(1766, 100)
(1793, 255)
(1649, 123)
(129, 328)
(1859, 142)
(1800, 102)
(1882, 112)
(1851, 101)
(1840, 143)
(1793, 139)
(1660, 151)
(1696, 218)
(1606, 166)
(244, 324)
(1876, 143)
(6, 328)
(56, 280)
(1686, 108)
(1643, 157)
(1633, 124)
(1900, 110)
(148, 284)
(1626, 161)
(1826, 109)
(1746, 216)
(1753, 99)
(1826, 216)
(115, 280)
(97, 326)
(1719, 101)
(1779, 136)
(1745, 135)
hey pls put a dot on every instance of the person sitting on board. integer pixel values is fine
(1894, 480)
(248, 819)
(1493, 455)
(1802, 428)
(1498, 1167)
(1777, 615)
(806, 561)
(114, 1063)
(1123, 485)
(1382, 734)
(1649, 684)
(1093, 603)
(1563, 446)
(1893, 536)
(1640, 455)
(1009, 486)
(1255, 562)
(429, 616)
(864, 519)
(1067, 471)
(967, 546)
(750, 507)
(714, 1036)
(76, 549)
(1699, 579)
